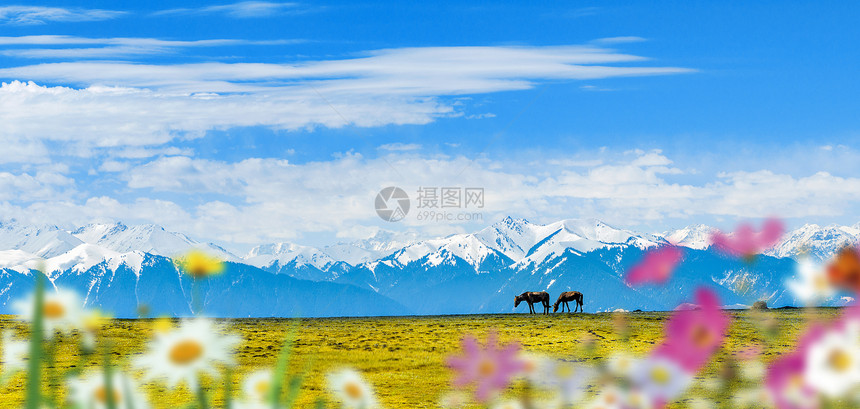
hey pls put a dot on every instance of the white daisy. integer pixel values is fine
(620, 364)
(182, 354)
(660, 378)
(63, 310)
(833, 362)
(14, 354)
(534, 367)
(351, 389)
(811, 284)
(568, 378)
(91, 392)
(609, 398)
(258, 386)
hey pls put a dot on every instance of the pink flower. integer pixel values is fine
(490, 369)
(785, 376)
(745, 242)
(693, 336)
(656, 266)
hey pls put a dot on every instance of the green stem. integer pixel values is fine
(110, 397)
(34, 375)
(228, 388)
(201, 397)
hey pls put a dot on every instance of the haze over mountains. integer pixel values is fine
(119, 267)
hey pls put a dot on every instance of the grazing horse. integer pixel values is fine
(531, 298)
(569, 296)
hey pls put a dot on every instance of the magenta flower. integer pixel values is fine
(746, 242)
(785, 376)
(656, 266)
(490, 369)
(693, 336)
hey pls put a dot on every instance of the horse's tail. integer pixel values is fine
(581, 299)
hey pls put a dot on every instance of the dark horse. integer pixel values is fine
(568, 296)
(531, 298)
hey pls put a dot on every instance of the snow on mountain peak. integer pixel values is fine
(381, 244)
(148, 238)
(696, 236)
(815, 241)
(42, 241)
(267, 255)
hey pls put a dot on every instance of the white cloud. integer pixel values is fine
(30, 15)
(400, 147)
(120, 105)
(267, 199)
(110, 48)
(244, 9)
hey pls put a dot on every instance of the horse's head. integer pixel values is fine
(555, 307)
(517, 300)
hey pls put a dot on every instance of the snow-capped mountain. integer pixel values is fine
(381, 244)
(819, 243)
(42, 241)
(118, 266)
(147, 238)
(303, 262)
(697, 236)
(521, 242)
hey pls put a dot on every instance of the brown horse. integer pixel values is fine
(567, 296)
(531, 298)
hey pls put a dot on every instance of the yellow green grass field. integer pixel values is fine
(403, 357)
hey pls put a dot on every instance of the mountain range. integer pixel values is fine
(120, 268)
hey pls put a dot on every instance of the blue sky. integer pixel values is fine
(262, 121)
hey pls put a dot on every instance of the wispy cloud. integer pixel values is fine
(111, 48)
(400, 147)
(30, 15)
(116, 104)
(244, 9)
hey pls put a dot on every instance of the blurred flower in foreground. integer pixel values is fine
(661, 379)
(258, 386)
(833, 360)
(620, 364)
(491, 369)
(613, 397)
(93, 322)
(568, 379)
(351, 389)
(656, 266)
(811, 284)
(184, 353)
(62, 311)
(91, 392)
(198, 264)
(746, 242)
(844, 270)
(534, 367)
(692, 336)
(14, 354)
(786, 385)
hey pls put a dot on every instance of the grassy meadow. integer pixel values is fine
(403, 357)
